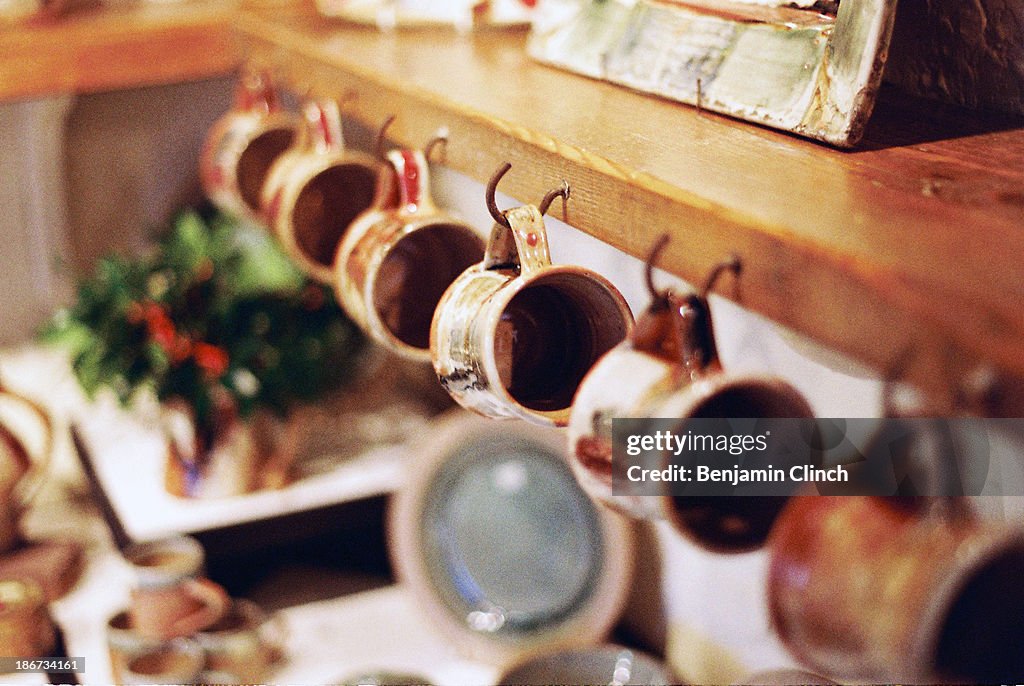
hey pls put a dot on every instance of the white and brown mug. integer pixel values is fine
(23, 461)
(179, 661)
(245, 642)
(395, 263)
(316, 189)
(514, 335)
(243, 144)
(171, 598)
(669, 368)
(125, 643)
(897, 590)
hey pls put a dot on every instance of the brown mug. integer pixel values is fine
(170, 597)
(316, 189)
(245, 642)
(179, 661)
(395, 263)
(22, 468)
(26, 629)
(242, 146)
(669, 368)
(897, 590)
(514, 335)
(125, 643)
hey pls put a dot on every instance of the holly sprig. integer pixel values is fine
(215, 308)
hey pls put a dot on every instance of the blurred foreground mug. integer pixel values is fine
(394, 263)
(669, 368)
(26, 629)
(244, 642)
(317, 188)
(243, 144)
(176, 662)
(898, 590)
(514, 335)
(170, 598)
(22, 465)
(125, 643)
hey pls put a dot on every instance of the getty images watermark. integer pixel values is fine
(781, 457)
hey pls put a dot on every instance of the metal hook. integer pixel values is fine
(652, 257)
(381, 135)
(562, 191)
(732, 264)
(492, 187)
(439, 139)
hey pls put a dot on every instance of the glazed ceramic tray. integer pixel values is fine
(806, 71)
(406, 14)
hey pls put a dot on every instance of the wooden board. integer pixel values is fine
(107, 48)
(913, 243)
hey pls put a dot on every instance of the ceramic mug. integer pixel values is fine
(316, 189)
(26, 629)
(669, 368)
(514, 335)
(170, 597)
(244, 642)
(897, 590)
(394, 264)
(179, 661)
(21, 472)
(125, 643)
(243, 144)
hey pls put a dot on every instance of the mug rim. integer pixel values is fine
(504, 293)
(394, 230)
(301, 171)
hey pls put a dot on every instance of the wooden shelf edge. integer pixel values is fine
(107, 48)
(875, 313)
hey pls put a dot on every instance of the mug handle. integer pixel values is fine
(256, 93)
(522, 245)
(413, 176)
(322, 127)
(36, 476)
(214, 600)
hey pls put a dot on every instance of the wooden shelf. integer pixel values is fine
(106, 48)
(915, 242)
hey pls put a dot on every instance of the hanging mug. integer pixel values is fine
(514, 335)
(897, 590)
(21, 472)
(243, 144)
(316, 189)
(394, 263)
(669, 368)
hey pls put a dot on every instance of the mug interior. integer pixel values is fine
(415, 274)
(326, 207)
(551, 333)
(980, 637)
(736, 523)
(256, 160)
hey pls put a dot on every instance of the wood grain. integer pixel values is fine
(914, 242)
(107, 48)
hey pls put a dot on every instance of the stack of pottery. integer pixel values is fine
(182, 628)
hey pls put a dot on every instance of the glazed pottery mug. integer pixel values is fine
(317, 188)
(243, 144)
(125, 643)
(514, 335)
(897, 590)
(26, 629)
(179, 661)
(394, 264)
(244, 641)
(23, 466)
(170, 597)
(669, 368)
